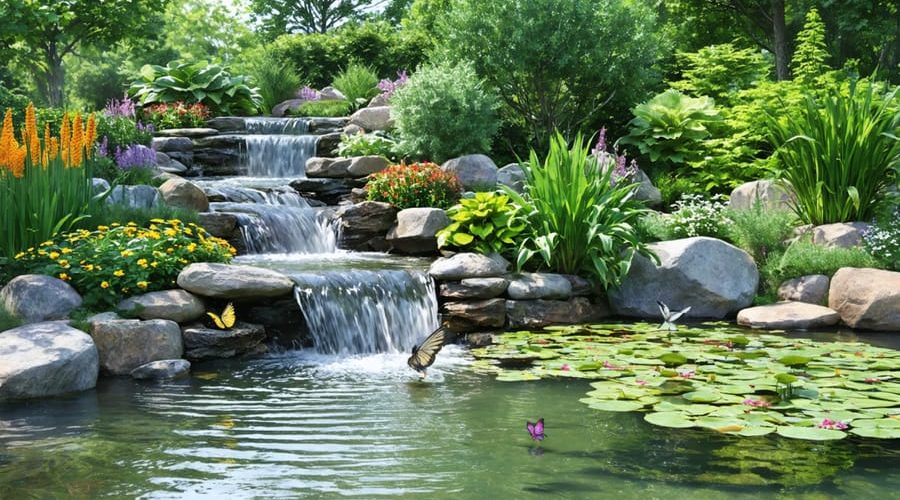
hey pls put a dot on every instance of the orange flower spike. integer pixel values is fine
(90, 135)
(65, 134)
(77, 144)
(31, 134)
(54, 149)
(17, 166)
(48, 142)
(6, 138)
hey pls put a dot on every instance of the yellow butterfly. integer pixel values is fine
(226, 320)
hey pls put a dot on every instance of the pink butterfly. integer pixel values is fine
(536, 430)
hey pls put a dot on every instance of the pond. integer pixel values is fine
(299, 424)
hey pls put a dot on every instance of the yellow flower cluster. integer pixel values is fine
(74, 142)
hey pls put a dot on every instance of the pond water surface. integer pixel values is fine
(298, 424)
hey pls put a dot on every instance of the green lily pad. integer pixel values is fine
(702, 396)
(669, 419)
(876, 432)
(810, 433)
(615, 405)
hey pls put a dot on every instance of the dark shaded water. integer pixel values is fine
(302, 425)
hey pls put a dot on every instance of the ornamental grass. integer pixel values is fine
(45, 183)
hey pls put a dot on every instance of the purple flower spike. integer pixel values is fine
(135, 156)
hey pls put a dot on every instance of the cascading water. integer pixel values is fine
(365, 312)
(277, 221)
(278, 147)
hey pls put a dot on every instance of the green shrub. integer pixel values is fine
(581, 222)
(121, 131)
(326, 108)
(720, 71)
(487, 223)
(277, 80)
(15, 101)
(198, 82)
(416, 185)
(694, 215)
(358, 83)
(117, 261)
(372, 144)
(840, 154)
(669, 127)
(655, 226)
(803, 258)
(445, 111)
(809, 59)
(760, 231)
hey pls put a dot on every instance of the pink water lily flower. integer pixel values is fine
(565, 367)
(687, 374)
(757, 403)
(640, 382)
(609, 366)
(832, 424)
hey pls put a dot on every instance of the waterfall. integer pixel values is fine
(364, 312)
(278, 147)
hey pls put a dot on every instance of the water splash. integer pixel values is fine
(281, 228)
(364, 312)
(278, 147)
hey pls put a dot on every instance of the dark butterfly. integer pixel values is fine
(536, 430)
(669, 317)
(423, 355)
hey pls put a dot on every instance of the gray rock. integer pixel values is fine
(513, 176)
(866, 298)
(580, 286)
(475, 172)
(104, 316)
(227, 124)
(99, 185)
(289, 106)
(331, 94)
(206, 343)
(373, 118)
(323, 125)
(646, 191)
(788, 316)
(328, 191)
(326, 144)
(479, 339)
(840, 235)
(328, 167)
(353, 130)
(415, 230)
(378, 101)
(177, 305)
(172, 144)
(34, 298)
(713, 277)
(475, 315)
(162, 370)
(361, 166)
(166, 164)
(46, 359)
(474, 288)
(541, 313)
(218, 224)
(468, 265)
(526, 286)
(184, 194)
(770, 194)
(129, 343)
(282, 323)
(141, 196)
(226, 281)
(362, 222)
(812, 289)
(186, 132)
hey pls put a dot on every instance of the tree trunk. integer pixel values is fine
(55, 74)
(779, 39)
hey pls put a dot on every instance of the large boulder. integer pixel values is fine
(646, 191)
(812, 289)
(287, 107)
(46, 359)
(221, 225)
(35, 297)
(541, 313)
(227, 123)
(129, 343)
(326, 144)
(140, 196)
(361, 166)
(475, 172)
(468, 265)
(839, 235)
(866, 298)
(184, 194)
(227, 281)
(415, 230)
(172, 144)
(373, 118)
(167, 164)
(327, 167)
(361, 223)
(526, 286)
(788, 316)
(162, 370)
(206, 343)
(475, 315)
(713, 277)
(177, 305)
(512, 176)
(770, 194)
(474, 288)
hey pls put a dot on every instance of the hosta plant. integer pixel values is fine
(487, 223)
(198, 82)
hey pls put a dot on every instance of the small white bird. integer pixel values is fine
(669, 318)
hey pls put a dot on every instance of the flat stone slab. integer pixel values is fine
(788, 316)
(208, 343)
(186, 132)
(540, 313)
(475, 315)
(176, 305)
(526, 286)
(162, 370)
(474, 288)
(468, 265)
(226, 281)
(46, 359)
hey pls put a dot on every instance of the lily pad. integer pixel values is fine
(702, 396)
(615, 405)
(810, 433)
(669, 419)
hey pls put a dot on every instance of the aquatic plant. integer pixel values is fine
(715, 379)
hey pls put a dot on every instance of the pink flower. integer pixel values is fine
(832, 424)
(609, 366)
(564, 367)
(757, 403)
(687, 374)
(640, 382)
